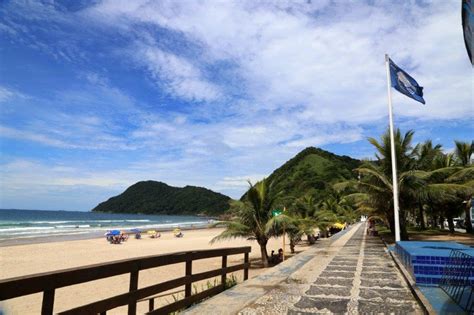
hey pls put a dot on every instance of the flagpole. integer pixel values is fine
(393, 155)
(283, 257)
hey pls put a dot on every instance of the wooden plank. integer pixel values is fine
(186, 301)
(160, 295)
(224, 271)
(236, 267)
(132, 306)
(124, 299)
(48, 302)
(189, 272)
(24, 285)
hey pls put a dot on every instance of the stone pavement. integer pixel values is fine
(353, 274)
(360, 279)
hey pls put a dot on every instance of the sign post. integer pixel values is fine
(276, 213)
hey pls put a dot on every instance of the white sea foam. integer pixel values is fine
(29, 235)
(13, 229)
(49, 222)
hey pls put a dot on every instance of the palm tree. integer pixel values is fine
(377, 178)
(448, 189)
(444, 160)
(253, 216)
(404, 153)
(426, 155)
(341, 206)
(303, 210)
(464, 151)
(289, 224)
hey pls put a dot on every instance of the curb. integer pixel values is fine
(420, 298)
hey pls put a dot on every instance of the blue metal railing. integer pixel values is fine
(458, 279)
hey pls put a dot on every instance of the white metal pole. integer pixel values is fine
(394, 160)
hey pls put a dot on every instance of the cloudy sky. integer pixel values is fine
(97, 95)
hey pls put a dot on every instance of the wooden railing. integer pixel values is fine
(50, 281)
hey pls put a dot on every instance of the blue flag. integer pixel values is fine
(405, 84)
(468, 27)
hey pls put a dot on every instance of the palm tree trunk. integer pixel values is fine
(263, 252)
(292, 245)
(441, 222)
(468, 222)
(450, 223)
(433, 224)
(403, 230)
(422, 216)
(391, 224)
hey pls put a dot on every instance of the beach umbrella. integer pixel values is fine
(112, 233)
(338, 225)
(151, 232)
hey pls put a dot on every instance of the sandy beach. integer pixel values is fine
(35, 258)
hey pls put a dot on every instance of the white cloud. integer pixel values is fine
(251, 82)
(240, 181)
(177, 75)
(329, 62)
(8, 94)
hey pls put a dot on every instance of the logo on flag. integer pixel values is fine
(405, 84)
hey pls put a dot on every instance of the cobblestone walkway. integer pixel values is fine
(361, 278)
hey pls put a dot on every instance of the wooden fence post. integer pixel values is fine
(246, 268)
(132, 307)
(189, 272)
(224, 272)
(48, 302)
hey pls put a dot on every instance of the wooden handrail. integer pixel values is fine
(49, 281)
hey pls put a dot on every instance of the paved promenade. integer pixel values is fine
(351, 275)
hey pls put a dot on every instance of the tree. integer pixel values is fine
(426, 155)
(252, 217)
(448, 190)
(287, 224)
(463, 152)
(376, 179)
(303, 210)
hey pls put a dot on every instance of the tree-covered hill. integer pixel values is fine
(152, 197)
(312, 171)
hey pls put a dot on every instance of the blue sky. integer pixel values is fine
(97, 95)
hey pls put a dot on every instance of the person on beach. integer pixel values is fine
(280, 255)
(272, 258)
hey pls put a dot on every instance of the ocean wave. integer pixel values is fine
(23, 236)
(70, 229)
(27, 228)
(48, 222)
(175, 225)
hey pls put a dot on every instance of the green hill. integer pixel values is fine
(152, 197)
(312, 171)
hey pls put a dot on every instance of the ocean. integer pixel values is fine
(32, 226)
